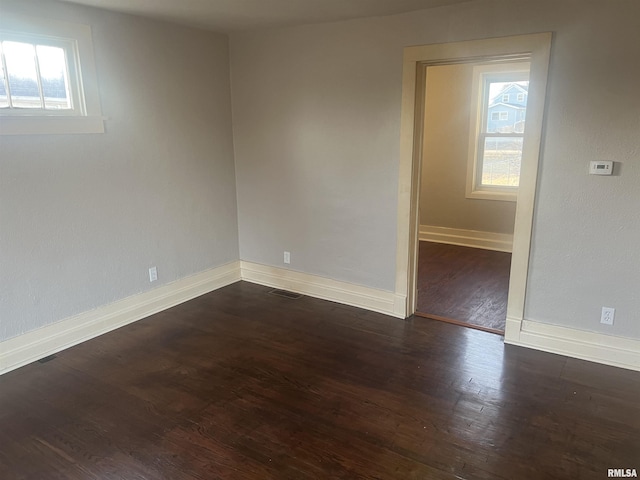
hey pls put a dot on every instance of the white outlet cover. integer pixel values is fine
(608, 315)
(153, 274)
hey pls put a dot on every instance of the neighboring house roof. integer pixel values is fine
(512, 85)
(509, 105)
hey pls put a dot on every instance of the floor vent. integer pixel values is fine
(47, 359)
(285, 294)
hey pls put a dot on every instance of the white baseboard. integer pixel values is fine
(24, 349)
(571, 342)
(58, 336)
(380, 301)
(500, 242)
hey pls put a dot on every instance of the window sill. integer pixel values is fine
(511, 196)
(52, 125)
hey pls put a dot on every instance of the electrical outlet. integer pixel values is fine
(287, 257)
(608, 314)
(153, 274)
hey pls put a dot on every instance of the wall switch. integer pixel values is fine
(287, 257)
(600, 168)
(607, 315)
(153, 274)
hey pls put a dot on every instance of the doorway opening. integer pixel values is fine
(473, 128)
(533, 49)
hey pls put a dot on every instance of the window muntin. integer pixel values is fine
(497, 131)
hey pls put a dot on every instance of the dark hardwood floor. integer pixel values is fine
(469, 285)
(241, 384)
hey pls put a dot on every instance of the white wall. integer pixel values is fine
(443, 201)
(316, 114)
(83, 217)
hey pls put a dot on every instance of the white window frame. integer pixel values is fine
(505, 97)
(85, 115)
(481, 75)
(504, 116)
(520, 97)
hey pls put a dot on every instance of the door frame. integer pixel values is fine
(535, 48)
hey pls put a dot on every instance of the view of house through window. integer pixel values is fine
(34, 77)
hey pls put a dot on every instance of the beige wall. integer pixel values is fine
(443, 201)
(317, 129)
(83, 217)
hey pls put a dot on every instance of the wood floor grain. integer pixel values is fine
(468, 285)
(240, 384)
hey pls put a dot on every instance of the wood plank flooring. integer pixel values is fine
(466, 284)
(241, 384)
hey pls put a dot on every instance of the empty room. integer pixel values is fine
(213, 216)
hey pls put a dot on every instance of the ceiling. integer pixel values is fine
(238, 15)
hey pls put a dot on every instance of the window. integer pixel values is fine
(36, 78)
(505, 98)
(497, 116)
(521, 97)
(43, 90)
(496, 136)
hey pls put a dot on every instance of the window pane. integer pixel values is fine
(509, 101)
(23, 81)
(501, 161)
(53, 75)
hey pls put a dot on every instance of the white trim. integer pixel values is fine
(500, 242)
(493, 193)
(27, 348)
(58, 336)
(535, 48)
(571, 342)
(48, 125)
(380, 301)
